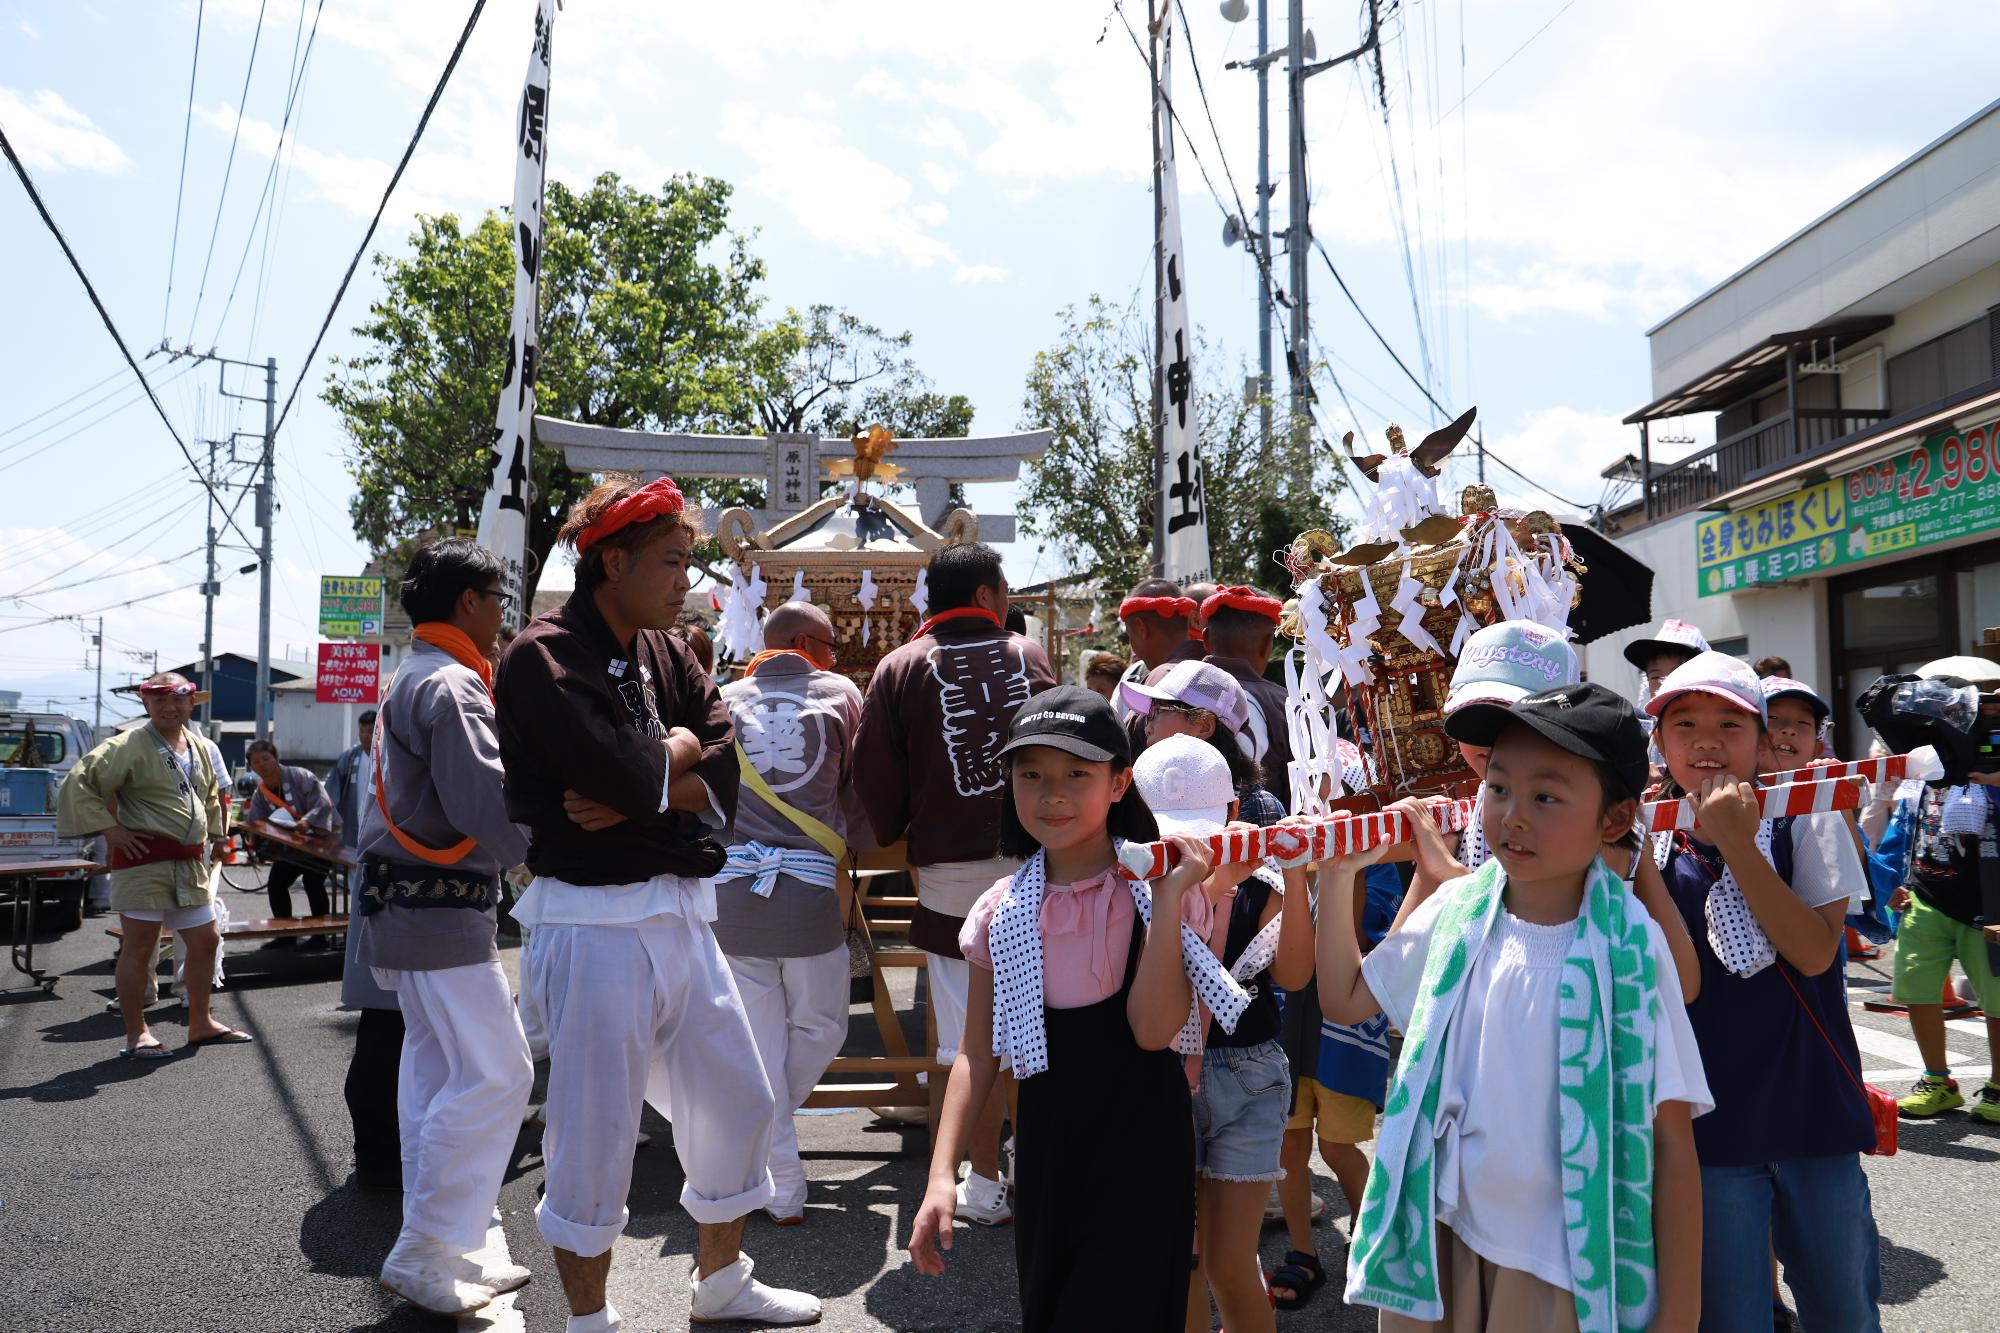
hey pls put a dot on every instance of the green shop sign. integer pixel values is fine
(1943, 489)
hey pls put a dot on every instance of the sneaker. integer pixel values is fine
(1931, 1096)
(1987, 1108)
(419, 1269)
(1274, 1211)
(983, 1201)
(731, 1296)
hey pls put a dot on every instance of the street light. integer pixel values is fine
(1236, 10)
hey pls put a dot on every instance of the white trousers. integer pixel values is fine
(462, 1088)
(950, 980)
(797, 1009)
(644, 1012)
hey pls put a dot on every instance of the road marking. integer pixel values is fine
(1968, 1076)
(500, 1316)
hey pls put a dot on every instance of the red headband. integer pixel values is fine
(185, 687)
(646, 503)
(1243, 599)
(1173, 608)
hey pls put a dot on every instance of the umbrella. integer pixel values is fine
(1617, 589)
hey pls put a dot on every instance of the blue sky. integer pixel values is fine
(1570, 173)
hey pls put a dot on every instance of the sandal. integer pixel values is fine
(150, 1051)
(228, 1037)
(1300, 1275)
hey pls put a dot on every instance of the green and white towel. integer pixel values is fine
(1608, 1017)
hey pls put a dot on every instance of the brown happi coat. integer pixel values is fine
(580, 712)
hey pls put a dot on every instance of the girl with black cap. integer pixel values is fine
(1083, 981)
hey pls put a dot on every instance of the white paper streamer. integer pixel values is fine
(920, 596)
(866, 596)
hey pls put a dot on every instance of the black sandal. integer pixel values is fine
(1301, 1275)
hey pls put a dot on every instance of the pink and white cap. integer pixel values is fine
(1185, 782)
(1673, 635)
(1778, 686)
(1196, 685)
(1713, 673)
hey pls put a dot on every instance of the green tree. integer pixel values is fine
(648, 317)
(1091, 496)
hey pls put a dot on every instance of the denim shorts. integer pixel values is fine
(1240, 1110)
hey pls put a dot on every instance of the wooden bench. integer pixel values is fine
(263, 928)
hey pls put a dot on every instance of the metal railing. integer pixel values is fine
(1735, 459)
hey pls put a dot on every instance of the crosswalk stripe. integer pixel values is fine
(1968, 1076)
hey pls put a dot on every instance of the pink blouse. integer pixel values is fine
(1086, 935)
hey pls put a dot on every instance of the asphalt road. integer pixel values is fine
(210, 1192)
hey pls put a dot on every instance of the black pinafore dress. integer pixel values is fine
(1103, 1177)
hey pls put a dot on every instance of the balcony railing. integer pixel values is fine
(1735, 459)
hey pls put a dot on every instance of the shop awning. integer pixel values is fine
(1979, 403)
(1758, 368)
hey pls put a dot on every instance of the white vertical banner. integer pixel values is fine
(503, 517)
(1180, 500)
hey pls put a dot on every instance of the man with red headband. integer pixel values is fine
(1157, 618)
(163, 841)
(930, 770)
(435, 836)
(620, 760)
(1241, 625)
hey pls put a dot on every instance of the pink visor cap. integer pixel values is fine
(1713, 673)
(1194, 685)
(1507, 662)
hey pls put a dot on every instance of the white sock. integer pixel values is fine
(604, 1321)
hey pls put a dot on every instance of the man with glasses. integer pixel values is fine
(777, 911)
(434, 840)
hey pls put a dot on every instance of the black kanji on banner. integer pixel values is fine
(1179, 378)
(1186, 493)
(534, 110)
(531, 251)
(543, 32)
(1174, 277)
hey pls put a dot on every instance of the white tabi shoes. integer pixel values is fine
(730, 1296)
(604, 1321)
(424, 1271)
(500, 1277)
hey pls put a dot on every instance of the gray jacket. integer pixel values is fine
(442, 780)
(796, 724)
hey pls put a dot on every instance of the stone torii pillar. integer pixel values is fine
(790, 464)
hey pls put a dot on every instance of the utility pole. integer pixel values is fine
(267, 507)
(209, 588)
(1298, 229)
(1264, 310)
(97, 727)
(1153, 110)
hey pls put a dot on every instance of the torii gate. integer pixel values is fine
(790, 464)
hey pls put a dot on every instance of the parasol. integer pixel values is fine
(1615, 594)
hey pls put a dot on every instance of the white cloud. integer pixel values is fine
(832, 189)
(30, 31)
(931, 214)
(52, 135)
(940, 178)
(937, 132)
(970, 274)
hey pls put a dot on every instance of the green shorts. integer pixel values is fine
(1926, 942)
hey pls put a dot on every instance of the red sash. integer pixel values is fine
(158, 849)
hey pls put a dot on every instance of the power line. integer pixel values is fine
(297, 82)
(29, 421)
(180, 190)
(97, 302)
(1404, 367)
(124, 391)
(1508, 61)
(422, 121)
(229, 166)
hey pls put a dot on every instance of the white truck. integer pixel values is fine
(36, 750)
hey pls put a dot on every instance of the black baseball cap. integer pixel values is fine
(1587, 720)
(1071, 719)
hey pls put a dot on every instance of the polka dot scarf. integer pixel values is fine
(1015, 938)
(1739, 942)
(1472, 849)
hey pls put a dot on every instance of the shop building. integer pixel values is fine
(1847, 517)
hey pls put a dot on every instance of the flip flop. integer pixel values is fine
(229, 1038)
(154, 1051)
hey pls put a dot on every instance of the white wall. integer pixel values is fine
(1789, 621)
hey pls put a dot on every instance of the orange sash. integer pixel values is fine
(750, 668)
(454, 641)
(275, 799)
